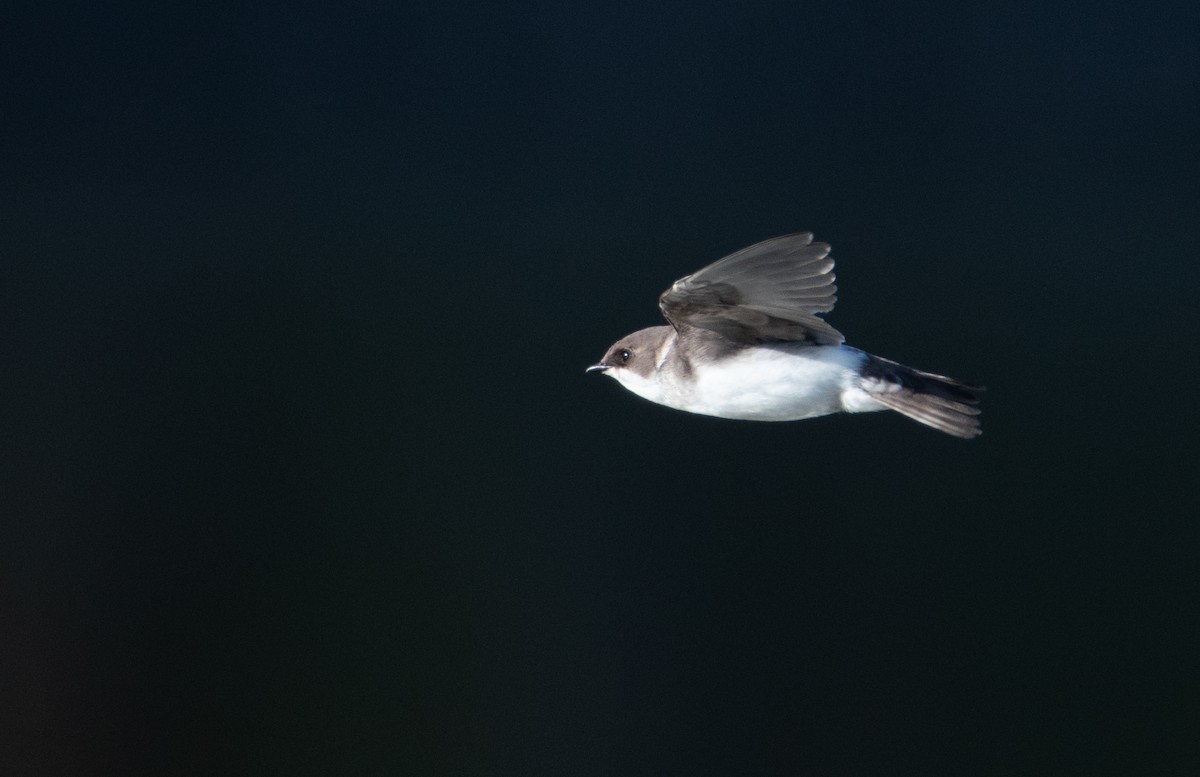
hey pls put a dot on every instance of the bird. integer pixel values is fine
(745, 342)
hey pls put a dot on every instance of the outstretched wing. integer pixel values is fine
(769, 292)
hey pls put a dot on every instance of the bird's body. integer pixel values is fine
(744, 343)
(782, 382)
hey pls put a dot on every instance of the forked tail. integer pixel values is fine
(944, 403)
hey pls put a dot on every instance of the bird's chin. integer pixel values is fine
(645, 387)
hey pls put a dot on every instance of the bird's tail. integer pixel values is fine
(944, 403)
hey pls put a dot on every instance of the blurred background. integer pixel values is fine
(301, 474)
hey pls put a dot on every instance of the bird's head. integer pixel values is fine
(634, 359)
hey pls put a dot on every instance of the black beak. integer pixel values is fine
(601, 367)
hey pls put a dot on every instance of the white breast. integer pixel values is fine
(770, 384)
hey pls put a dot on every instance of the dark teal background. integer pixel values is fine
(301, 473)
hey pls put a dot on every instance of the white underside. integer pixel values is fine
(764, 384)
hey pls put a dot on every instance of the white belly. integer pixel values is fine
(773, 384)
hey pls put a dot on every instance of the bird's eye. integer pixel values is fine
(626, 354)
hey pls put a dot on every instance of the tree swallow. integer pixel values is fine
(745, 342)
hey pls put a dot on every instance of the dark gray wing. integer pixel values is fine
(769, 292)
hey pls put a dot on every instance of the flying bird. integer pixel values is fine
(745, 342)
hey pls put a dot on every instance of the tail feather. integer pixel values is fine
(943, 403)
